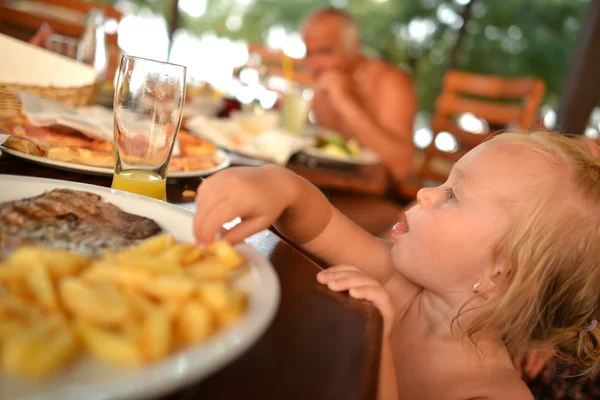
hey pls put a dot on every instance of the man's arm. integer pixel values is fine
(390, 134)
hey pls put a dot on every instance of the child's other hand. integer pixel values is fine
(531, 364)
(257, 195)
(362, 287)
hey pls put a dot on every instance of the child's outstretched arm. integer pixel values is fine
(275, 195)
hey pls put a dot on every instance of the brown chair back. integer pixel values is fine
(501, 102)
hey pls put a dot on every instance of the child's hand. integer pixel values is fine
(362, 287)
(531, 364)
(257, 195)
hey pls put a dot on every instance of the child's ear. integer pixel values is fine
(499, 273)
(495, 278)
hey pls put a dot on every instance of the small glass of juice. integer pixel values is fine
(296, 105)
(148, 104)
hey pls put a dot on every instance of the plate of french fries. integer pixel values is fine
(130, 324)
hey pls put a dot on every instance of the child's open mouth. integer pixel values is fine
(400, 228)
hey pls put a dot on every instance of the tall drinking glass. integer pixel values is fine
(148, 104)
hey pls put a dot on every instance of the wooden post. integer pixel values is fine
(173, 23)
(581, 90)
(466, 16)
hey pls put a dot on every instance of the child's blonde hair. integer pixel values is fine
(551, 296)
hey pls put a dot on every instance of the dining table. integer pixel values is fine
(320, 345)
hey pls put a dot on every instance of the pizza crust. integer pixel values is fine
(23, 145)
(78, 155)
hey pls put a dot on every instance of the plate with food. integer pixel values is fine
(334, 148)
(68, 149)
(104, 296)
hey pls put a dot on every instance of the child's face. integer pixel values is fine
(454, 229)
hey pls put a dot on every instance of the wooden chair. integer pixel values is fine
(272, 61)
(501, 102)
(66, 18)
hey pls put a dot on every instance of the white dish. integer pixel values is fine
(366, 157)
(109, 171)
(92, 380)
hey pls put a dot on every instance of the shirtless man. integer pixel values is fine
(368, 100)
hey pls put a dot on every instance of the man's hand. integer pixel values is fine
(335, 85)
(42, 36)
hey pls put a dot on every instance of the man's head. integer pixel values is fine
(332, 41)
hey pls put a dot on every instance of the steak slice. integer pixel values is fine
(70, 219)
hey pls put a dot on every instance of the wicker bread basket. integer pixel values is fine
(10, 106)
(43, 73)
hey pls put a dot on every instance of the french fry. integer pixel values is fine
(39, 350)
(193, 255)
(214, 295)
(182, 254)
(10, 328)
(110, 346)
(124, 276)
(154, 245)
(60, 262)
(195, 323)
(209, 269)
(19, 290)
(147, 262)
(11, 272)
(170, 287)
(236, 305)
(156, 334)
(19, 308)
(225, 253)
(94, 304)
(41, 286)
(139, 303)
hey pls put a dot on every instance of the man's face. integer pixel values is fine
(325, 47)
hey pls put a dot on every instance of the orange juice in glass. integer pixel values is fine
(148, 104)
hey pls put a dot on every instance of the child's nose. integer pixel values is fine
(424, 197)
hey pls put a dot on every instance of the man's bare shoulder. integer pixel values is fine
(388, 74)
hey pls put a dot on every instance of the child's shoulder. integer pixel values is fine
(491, 383)
(507, 384)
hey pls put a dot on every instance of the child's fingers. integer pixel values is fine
(246, 228)
(378, 296)
(206, 203)
(342, 267)
(348, 280)
(325, 277)
(206, 228)
(375, 294)
(332, 272)
(536, 363)
(518, 363)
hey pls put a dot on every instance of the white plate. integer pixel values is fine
(109, 171)
(366, 157)
(92, 380)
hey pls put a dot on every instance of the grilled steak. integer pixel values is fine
(70, 219)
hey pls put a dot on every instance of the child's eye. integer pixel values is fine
(450, 196)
